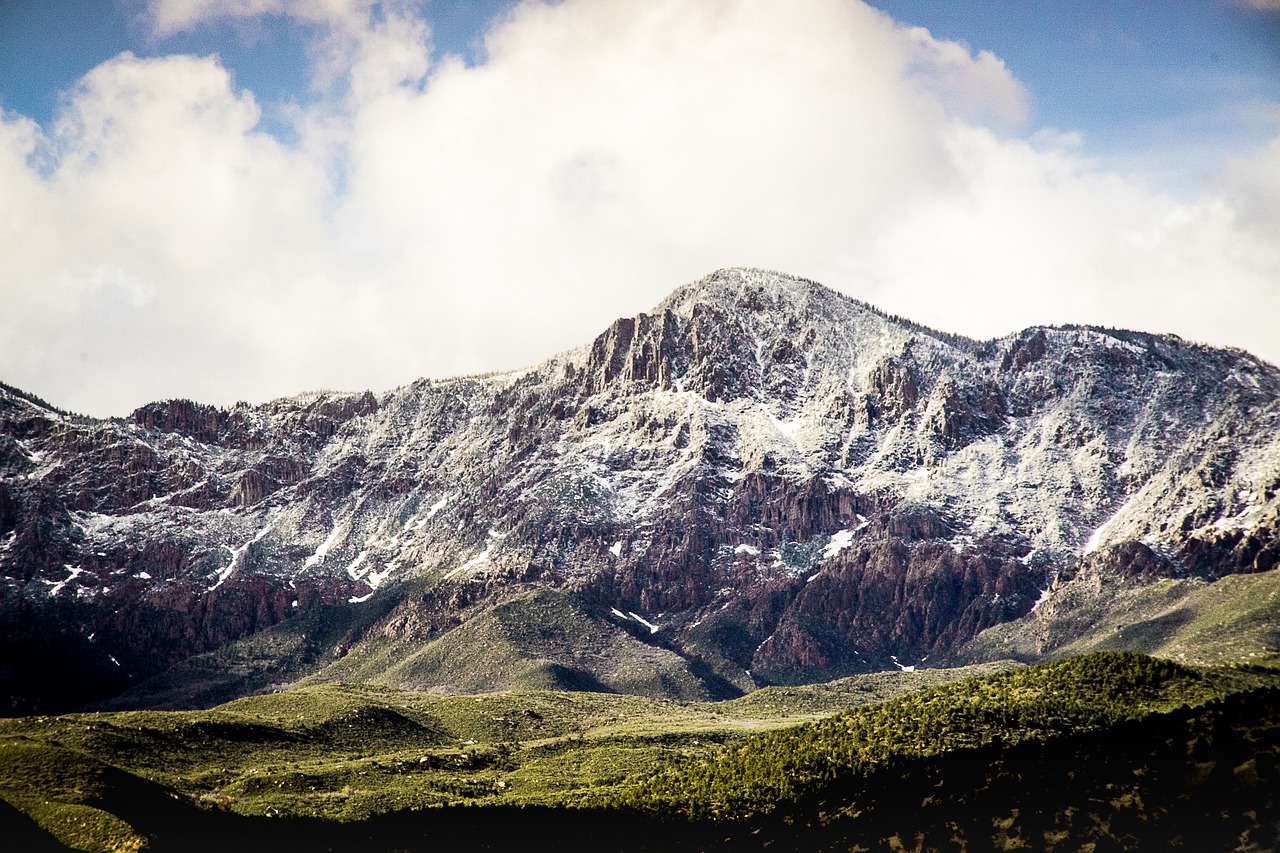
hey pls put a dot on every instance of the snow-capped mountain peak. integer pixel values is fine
(800, 484)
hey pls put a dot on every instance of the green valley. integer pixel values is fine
(1110, 748)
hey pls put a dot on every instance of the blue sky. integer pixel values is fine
(48, 46)
(1174, 84)
(1180, 80)
(358, 193)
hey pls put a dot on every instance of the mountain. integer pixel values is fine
(760, 481)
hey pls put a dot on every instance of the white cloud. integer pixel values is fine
(1032, 234)
(1252, 182)
(453, 219)
(975, 88)
(164, 242)
(167, 17)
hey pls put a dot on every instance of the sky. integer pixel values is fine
(231, 200)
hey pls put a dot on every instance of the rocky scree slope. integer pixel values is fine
(760, 481)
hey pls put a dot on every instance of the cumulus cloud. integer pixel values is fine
(1032, 232)
(447, 219)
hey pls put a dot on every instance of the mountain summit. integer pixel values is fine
(759, 481)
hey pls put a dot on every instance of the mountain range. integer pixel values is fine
(760, 481)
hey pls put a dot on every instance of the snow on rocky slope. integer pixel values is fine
(761, 475)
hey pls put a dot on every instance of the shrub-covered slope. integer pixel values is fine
(1105, 748)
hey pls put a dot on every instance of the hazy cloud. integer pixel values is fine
(167, 17)
(1259, 5)
(436, 220)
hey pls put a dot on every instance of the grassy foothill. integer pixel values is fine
(1118, 744)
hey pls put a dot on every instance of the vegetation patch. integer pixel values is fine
(1095, 749)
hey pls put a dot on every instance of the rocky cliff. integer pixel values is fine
(761, 478)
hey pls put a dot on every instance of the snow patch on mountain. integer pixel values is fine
(336, 535)
(840, 540)
(237, 556)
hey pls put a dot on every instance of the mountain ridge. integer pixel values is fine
(771, 480)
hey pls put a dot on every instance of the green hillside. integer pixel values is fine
(1235, 618)
(536, 640)
(1104, 747)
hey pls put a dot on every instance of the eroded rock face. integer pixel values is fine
(958, 415)
(202, 423)
(640, 354)
(1129, 560)
(773, 480)
(896, 388)
(1231, 551)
